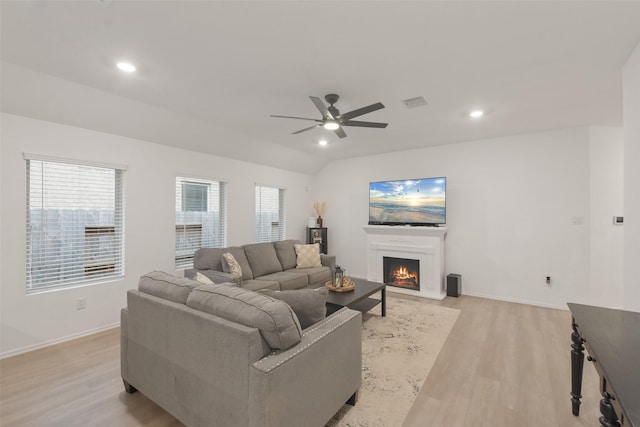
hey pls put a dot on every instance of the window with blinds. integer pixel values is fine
(75, 224)
(269, 214)
(201, 220)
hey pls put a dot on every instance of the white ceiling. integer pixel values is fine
(210, 72)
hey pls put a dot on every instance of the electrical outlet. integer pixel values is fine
(81, 303)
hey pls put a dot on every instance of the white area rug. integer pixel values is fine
(398, 352)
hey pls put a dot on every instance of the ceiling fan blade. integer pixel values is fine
(321, 107)
(293, 117)
(364, 124)
(305, 129)
(362, 111)
(340, 133)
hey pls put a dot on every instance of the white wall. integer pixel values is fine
(511, 207)
(606, 159)
(631, 118)
(29, 321)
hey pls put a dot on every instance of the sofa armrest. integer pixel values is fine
(328, 261)
(216, 276)
(324, 368)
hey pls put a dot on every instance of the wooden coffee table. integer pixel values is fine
(359, 299)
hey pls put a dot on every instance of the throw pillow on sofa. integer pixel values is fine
(308, 304)
(232, 265)
(308, 256)
(203, 279)
(241, 258)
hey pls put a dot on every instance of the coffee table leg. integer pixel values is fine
(383, 296)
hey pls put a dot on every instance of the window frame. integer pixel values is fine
(85, 243)
(216, 195)
(265, 233)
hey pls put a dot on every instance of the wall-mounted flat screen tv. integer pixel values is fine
(408, 202)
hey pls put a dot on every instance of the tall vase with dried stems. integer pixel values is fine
(319, 208)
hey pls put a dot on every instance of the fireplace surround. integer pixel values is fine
(424, 244)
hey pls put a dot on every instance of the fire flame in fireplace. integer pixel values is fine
(403, 277)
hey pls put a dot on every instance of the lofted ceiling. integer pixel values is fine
(210, 73)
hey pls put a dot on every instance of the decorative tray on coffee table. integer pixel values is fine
(347, 286)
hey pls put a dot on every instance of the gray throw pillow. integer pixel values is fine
(309, 305)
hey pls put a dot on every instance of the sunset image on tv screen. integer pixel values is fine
(420, 201)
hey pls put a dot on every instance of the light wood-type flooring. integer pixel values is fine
(504, 364)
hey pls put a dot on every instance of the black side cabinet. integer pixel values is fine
(318, 235)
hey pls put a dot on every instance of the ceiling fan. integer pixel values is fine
(333, 120)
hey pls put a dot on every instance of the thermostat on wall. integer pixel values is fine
(618, 220)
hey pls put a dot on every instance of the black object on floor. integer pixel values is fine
(454, 284)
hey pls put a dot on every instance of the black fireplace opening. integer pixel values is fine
(401, 272)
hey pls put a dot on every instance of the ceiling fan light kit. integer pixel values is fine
(331, 125)
(333, 120)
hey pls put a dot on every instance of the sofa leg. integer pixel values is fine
(128, 387)
(353, 399)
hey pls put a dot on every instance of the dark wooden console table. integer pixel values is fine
(612, 340)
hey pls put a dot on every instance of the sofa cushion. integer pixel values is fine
(276, 321)
(287, 279)
(256, 285)
(308, 304)
(308, 256)
(208, 259)
(316, 275)
(239, 255)
(166, 286)
(263, 258)
(286, 253)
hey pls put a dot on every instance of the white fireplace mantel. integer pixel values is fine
(425, 244)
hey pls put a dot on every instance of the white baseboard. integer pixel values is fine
(518, 301)
(58, 340)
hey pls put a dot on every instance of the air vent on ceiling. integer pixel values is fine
(418, 101)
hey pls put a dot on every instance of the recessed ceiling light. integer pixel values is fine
(126, 67)
(322, 142)
(476, 114)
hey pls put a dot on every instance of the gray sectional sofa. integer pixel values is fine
(269, 265)
(220, 355)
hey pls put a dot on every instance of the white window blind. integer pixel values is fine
(75, 224)
(200, 217)
(269, 214)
